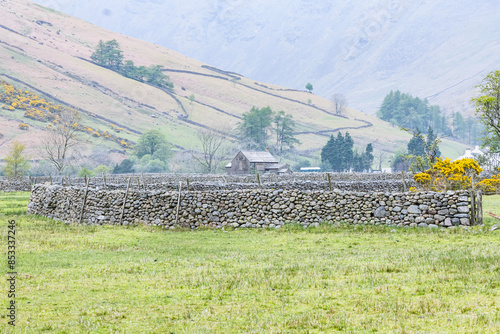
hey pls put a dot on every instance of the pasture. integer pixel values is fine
(143, 279)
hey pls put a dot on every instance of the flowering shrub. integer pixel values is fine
(491, 184)
(39, 109)
(22, 99)
(446, 175)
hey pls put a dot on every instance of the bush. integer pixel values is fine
(85, 172)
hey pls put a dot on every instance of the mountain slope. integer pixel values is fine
(48, 52)
(363, 49)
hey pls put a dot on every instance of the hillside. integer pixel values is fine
(436, 49)
(47, 53)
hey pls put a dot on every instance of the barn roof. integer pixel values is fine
(259, 156)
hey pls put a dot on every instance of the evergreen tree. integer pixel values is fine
(108, 54)
(368, 157)
(329, 152)
(339, 154)
(347, 153)
(155, 76)
(125, 167)
(432, 147)
(357, 162)
(416, 146)
(459, 126)
(133, 72)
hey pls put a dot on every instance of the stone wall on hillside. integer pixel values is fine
(21, 184)
(202, 182)
(249, 207)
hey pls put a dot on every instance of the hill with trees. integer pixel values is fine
(417, 114)
(51, 62)
(437, 49)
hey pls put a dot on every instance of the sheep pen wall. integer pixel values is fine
(249, 207)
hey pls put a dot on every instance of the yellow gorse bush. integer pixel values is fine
(23, 99)
(446, 174)
(39, 109)
(491, 184)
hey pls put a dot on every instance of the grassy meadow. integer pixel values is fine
(109, 279)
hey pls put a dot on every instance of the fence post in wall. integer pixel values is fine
(187, 183)
(178, 204)
(104, 180)
(84, 202)
(258, 179)
(124, 201)
(472, 207)
(479, 205)
(404, 182)
(50, 176)
(329, 181)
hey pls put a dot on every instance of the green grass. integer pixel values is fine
(88, 279)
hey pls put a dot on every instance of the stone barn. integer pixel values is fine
(247, 162)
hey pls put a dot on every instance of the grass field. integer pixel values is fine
(107, 279)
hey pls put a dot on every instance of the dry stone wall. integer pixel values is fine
(202, 182)
(249, 207)
(21, 184)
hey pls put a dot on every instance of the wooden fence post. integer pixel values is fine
(84, 202)
(479, 204)
(124, 201)
(472, 207)
(404, 182)
(50, 176)
(178, 204)
(104, 180)
(329, 181)
(258, 179)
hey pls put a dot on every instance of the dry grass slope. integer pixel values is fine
(49, 51)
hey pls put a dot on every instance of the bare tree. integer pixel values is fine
(380, 157)
(214, 147)
(59, 146)
(339, 103)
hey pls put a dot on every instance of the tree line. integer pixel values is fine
(109, 55)
(417, 114)
(153, 151)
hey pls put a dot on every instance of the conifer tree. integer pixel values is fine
(416, 146)
(432, 147)
(108, 54)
